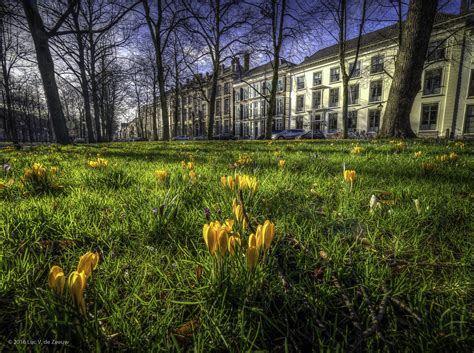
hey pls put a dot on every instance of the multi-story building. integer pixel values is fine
(251, 95)
(445, 102)
(309, 95)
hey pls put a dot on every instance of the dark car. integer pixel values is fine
(290, 134)
(200, 137)
(312, 135)
(180, 138)
(225, 136)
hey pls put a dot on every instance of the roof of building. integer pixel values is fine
(267, 67)
(370, 38)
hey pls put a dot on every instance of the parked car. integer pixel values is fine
(225, 136)
(290, 134)
(180, 138)
(200, 137)
(312, 135)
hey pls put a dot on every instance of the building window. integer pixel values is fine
(279, 106)
(251, 113)
(226, 88)
(280, 85)
(376, 64)
(255, 108)
(352, 120)
(299, 122)
(332, 122)
(374, 120)
(237, 96)
(226, 106)
(356, 72)
(317, 78)
(471, 84)
(218, 107)
(432, 82)
(226, 125)
(300, 103)
(436, 51)
(219, 89)
(262, 108)
(268, 87)
(278, 125)
(334, 97)
(334, 76)
(429, 116)
(469, 123)
(375, 94)
(300, 82)
(354, 94)
(317, 99)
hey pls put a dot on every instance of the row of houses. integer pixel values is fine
(309, 94)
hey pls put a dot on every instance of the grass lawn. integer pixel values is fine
(341, 274)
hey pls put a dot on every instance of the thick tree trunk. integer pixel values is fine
(84, 82)
(10, 127)
(46, 68)
(408, 69)
(212, 101)
(155, 127)
(163, 97)
(94, 89)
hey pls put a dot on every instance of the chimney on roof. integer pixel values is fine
(235, 64)
(246, 61)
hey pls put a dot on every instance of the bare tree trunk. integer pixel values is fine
(212, 101)
(155, 127)
(10, 126)
(46, 68)
(84, 82)
(408, 69)
(94, 90)
(277, 40)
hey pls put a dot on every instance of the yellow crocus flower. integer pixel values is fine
(222, 240)
(210, 237)
(356, 150)
(418, 154)
(268, 233)
(224, 181)
(281, 163)
(77, 283)
(252, 241)
(453, 156)
(192, 176)
(252, 257)
(234, 240)
(161, 175)
(56, 279)
(259, 236)
(349, 175)
(87, 263)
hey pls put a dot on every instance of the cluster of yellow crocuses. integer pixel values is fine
(221, 239)
(240, 182)
(453, 156)
(356, 150)
(238, 211)
(162, 175)
(77, 280)
(98, 163)
(37, 171)
(244, 159)
(259, 242)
